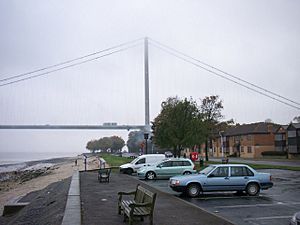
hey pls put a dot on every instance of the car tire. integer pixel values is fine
(193, 190)
(129, 171)
(252, 189)
(187, 173)
(150, 175)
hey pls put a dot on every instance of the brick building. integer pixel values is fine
(293, 143)
(281, 139)
(246, 141)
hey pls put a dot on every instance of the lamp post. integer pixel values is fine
(146, 136)
(220, 133)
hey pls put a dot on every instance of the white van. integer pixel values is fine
(143, 160)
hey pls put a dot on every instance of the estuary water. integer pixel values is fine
(20, 157)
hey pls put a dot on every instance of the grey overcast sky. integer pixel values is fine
(255, 40)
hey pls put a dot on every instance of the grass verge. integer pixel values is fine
(115, 161)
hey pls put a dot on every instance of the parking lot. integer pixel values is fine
(275, 206)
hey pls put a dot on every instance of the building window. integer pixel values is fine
(242, 148)
(249, 149)
(291, 133)
(249, 137)
(279, 137)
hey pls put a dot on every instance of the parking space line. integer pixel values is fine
(258, 205)
(229, 197)
(268, 218)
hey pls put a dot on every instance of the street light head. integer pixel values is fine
(146, 136)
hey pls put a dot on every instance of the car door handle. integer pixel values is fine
(226, 178)
(246, 178)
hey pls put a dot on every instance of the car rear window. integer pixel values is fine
(181, 163)
(240, 171)
(186, 163)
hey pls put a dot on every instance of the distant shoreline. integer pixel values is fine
(30, 165)
(12, 158)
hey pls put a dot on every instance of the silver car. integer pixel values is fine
(229, 177)
(167, 168)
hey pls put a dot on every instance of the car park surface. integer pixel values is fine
(275, 206)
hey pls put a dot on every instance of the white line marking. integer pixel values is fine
(258, 205)
(229, 197)
(268, 218)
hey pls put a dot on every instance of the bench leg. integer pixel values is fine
(151, 220)
(130, 221)
(119, 210)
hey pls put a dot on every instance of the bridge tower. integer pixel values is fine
(146, 68)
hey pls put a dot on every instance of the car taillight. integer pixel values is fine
(270, 177)
(194, 168)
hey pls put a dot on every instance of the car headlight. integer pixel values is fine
(294, 219)
(175, 182)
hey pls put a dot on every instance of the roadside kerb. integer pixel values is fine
(73, 208)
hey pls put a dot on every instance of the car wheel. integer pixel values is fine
(129, 171)
(150, 175)
(252, 189)
(193, 190)
(187, 173)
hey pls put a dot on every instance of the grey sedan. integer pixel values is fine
(229, 177)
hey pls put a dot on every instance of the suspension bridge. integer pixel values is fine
(146, 42)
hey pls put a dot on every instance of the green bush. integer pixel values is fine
(274, 153)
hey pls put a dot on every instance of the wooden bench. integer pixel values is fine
(103, 174)
(142, 204)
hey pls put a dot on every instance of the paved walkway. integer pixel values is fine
(99, 204)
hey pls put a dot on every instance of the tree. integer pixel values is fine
(178, 125)
(113, 143)
(135, 139)
(105, 143)
(268, 120)
(117, 143)
(211, 108)
(296, 119)
(92, 145)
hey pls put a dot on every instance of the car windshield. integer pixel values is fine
(135, 160)
(207, 170)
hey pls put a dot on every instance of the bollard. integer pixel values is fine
(201, 162)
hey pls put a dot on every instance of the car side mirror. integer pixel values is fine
(211, 175)
(159, 166)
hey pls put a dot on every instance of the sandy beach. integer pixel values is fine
(37, 175)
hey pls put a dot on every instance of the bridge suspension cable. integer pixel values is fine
(130, 44)
(224, 75)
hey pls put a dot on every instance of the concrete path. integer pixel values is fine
(72, 211)
(99, 204)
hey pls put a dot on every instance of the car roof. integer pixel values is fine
(219, 165)
(178, 159)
